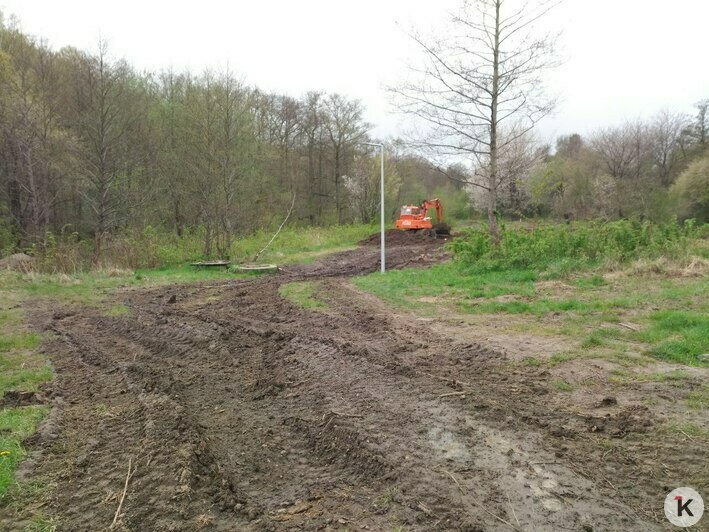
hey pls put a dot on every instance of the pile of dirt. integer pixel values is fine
(17, 262)
(397, 237)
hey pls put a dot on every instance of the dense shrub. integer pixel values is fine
(692, 191)
(577, 243)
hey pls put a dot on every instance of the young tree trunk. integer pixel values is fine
(492, 181)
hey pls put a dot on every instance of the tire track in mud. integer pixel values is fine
(244, 412)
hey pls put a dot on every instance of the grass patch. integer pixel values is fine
(559, 358)
(678, 336)
(562, 386)
(24, 379)
(699, 399)
(606, 305)
(676, 378)
(23, 340)
(302, 294)
(42, 523)
(16, 424)
(451, 282)
(298, 244)
(687, 429)
(531, 361)
(117, 310)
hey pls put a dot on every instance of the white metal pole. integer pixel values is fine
(383, 259)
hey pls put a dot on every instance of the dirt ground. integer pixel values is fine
(233, 409)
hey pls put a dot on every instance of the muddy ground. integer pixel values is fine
(237, 410)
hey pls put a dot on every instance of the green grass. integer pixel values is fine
(677, 378)
(656, 313)
(531, 361)
(699, 399)
(562, 385)
(298, 244)
(23, 340)
(302, 294)
(411, 287)
(559, 358)
(16, 424)
(117, 310)
(687, 429)
(41, 523)
(563, 247)
(679, 336)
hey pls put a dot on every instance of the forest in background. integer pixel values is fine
(93, 153)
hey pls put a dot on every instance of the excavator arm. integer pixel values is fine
(430, 204)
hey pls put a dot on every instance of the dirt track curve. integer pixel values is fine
(240, 411)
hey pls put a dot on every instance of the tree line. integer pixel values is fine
(653, 169)
(90, 146)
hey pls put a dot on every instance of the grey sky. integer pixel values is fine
(623, 58)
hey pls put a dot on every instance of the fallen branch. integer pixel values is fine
(125, 490)
(454, 480)
(512, 508)
(450, 394)
(279, 229)
(688, 436)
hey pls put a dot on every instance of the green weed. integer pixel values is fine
(117, 310)
(687, 429)
(562, 385)
(679, 336)
(562, 248)
(699, 399)
(302, 294)
(559, 358)
(16, 424)
(531, 361)
(22, 340)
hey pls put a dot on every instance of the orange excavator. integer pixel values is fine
(415, 218)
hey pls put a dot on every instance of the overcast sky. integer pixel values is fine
(623, 58)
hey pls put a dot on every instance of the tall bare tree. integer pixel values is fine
(666, 132)
(345, 128)
(480, 88)
(702, 125)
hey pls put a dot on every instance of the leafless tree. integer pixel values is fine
(702, 125)
(480, 87)
(344, 127)
(623, 149)
(665, 137)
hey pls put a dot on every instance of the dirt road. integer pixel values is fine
(237, 410)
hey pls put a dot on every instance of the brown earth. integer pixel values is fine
(237, 410)
(397, 237)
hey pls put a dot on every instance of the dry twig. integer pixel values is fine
(125, 490)
(450, 394)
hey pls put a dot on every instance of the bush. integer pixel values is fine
(572, 244)
(692, 191)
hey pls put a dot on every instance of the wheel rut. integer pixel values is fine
(241, 411)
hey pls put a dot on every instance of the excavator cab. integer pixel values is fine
(412, 218)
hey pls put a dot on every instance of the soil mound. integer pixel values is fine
(397, 237)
